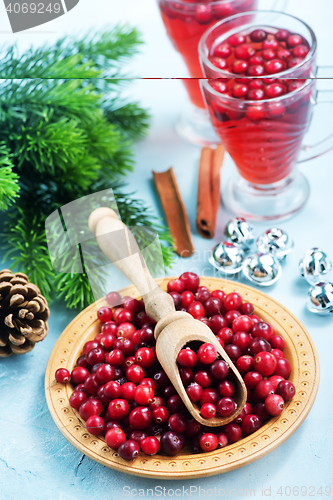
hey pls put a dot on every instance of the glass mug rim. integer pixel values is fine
(223, 75)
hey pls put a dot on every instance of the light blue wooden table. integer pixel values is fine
(36, 461)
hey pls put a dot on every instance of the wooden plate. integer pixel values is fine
(299, 350)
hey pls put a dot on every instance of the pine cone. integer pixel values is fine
(23, 314)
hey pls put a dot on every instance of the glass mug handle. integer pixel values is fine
(322, 97)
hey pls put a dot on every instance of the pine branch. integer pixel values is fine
(25, 239)
(130, 118)
(9, 186)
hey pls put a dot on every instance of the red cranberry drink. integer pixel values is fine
(260, 90)
(186, 21)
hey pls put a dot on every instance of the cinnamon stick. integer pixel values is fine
(175, 211)
(209, 190)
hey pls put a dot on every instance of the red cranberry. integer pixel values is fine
(274, 66)
(156, 403)
(300, 51)
(277, 353)
(282, 35)
(239, 66)
(138, 436)
(90, 407)
(245, 411)
(113, 390)
(191, 281)
(236, 39)
(160, 415)
(202, 294)
(177, 422)
(141, 318)
(77, 398)
(135, 373)
(146, 335)
(125, 316)
(258, 35)
(107, 340)
(177, 299)
(263, 389)
(283, 54)
(226, 335)
(265, 363)
(128, 389)
(222, 440)
(126, 330)
(118, 409)
(286, 389)
(129, 449)
(233, 432)
(226, 388)
(91, 384)
(217, 322)
(143, 395)
(255, 70)
(115, 358)
(95, 425)
(262, 329)
(175, 404)
(239, 90)
(260, 411)
(242, 340)
(294, 40)
(78, 375)
(255, 95)
(169, 391)
(218, 294)
(226, 407)
(219, 369)
(196, 309)
(233, 351)
(161, 379)
(213, 306)
(231, 315)
(252, 378)
(250, 424)
(150, 445)
(207, 353)
(283, 368)
(145, 357)
(259, 344)
(274, 404)
(209, 395)
(186, 375)
(219, 62)
(275, 379)
(81, 361)
(202, 378)
(177, 285)
(208, 410)
(124, 345)
(187, 298)
(115, 437)
(244, 364)
(113, 299)
(223, 51)
(104, 314)
(91, 344)
(194, 392)
(244, 52)
(105, 373)
(208, 442)
(150, 382)
(171, 443)
(95, 367)
(274, 90)
(270, 44)
(255, 113)
(277, 342)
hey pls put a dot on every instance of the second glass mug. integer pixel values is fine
(264, 137)
(185, 22)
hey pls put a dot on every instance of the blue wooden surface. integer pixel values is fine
(36, 461)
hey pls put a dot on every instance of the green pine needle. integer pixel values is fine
(9, 186)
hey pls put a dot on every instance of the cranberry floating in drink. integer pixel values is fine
(260, 94)
(185, 22)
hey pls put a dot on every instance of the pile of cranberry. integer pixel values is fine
(121, 390)
(255, 55)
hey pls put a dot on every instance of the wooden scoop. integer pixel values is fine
(174, 329)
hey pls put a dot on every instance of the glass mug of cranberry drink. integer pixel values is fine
(185, 22)
(260, 94)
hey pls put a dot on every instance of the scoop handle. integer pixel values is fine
(120, 247)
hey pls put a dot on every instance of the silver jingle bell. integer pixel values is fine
(227, 257)
(320, 298)
(240, 232)
(315, 266)
(262, 269)
(276, 242)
